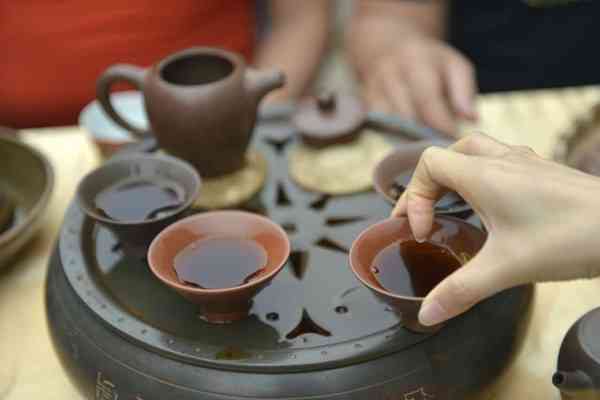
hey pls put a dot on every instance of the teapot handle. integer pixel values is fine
(120, 72)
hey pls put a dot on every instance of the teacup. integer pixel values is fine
(459, 237)
(403, 161)
(222, 305)
(135, 235)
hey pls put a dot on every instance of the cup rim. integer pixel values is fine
(195, 290)
(381, 291)
(380, 165)
(408, 148)
(190, 198)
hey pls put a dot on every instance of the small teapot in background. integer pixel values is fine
(201, 104)
(578, 373)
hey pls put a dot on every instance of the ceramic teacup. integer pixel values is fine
(135, 235)
(403, 161)
(222, 305)
(461, 238)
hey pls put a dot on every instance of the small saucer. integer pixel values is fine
(108, 136)
(338, 169)
(231, 190)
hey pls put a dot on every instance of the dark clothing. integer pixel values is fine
(515, 46)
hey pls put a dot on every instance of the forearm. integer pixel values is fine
(378, 25)
(296, 44)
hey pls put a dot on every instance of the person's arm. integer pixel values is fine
(541, 217)
(296, 43)
(399, 52)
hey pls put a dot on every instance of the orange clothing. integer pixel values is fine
(53, 51)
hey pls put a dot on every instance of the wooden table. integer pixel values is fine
(29, 368)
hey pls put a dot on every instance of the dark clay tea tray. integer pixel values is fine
(315, 316)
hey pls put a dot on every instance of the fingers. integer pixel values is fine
(475, 145)
(459, 77)
(386, 92)
(398, 95)
(375, 99)
(426, 87)
(415, 92)
(400, 207)
(437, 171)
(479, 144)
(479, 279)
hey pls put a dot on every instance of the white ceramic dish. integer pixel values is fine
(107, 135)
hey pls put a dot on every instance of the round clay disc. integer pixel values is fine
(338, 169)
(233, 189)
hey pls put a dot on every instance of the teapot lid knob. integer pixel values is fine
(326, 101)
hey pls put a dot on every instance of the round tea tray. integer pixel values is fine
(315, 332)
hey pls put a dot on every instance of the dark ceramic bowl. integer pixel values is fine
(135, 236)
(403, 161)
(27, 180)
(228, 304)
(460, 237)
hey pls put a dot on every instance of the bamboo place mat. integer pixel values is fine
(534, 118)
(29, 368)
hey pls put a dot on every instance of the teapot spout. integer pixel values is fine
(571, 382)
(260, 83)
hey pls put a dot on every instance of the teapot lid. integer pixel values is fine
(330, 118)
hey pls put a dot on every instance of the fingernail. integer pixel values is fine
(420, 239)
(432, 313)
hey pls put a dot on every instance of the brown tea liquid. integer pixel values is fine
(138, 200)
(412, 269)
(218, 263)
(448, 201)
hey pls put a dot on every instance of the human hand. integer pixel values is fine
(541, 217)
(422, 79)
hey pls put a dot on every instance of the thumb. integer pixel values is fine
(475, 281)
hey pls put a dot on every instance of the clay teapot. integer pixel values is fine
(201, 105)
(578, 372)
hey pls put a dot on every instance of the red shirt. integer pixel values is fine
(53, 51)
